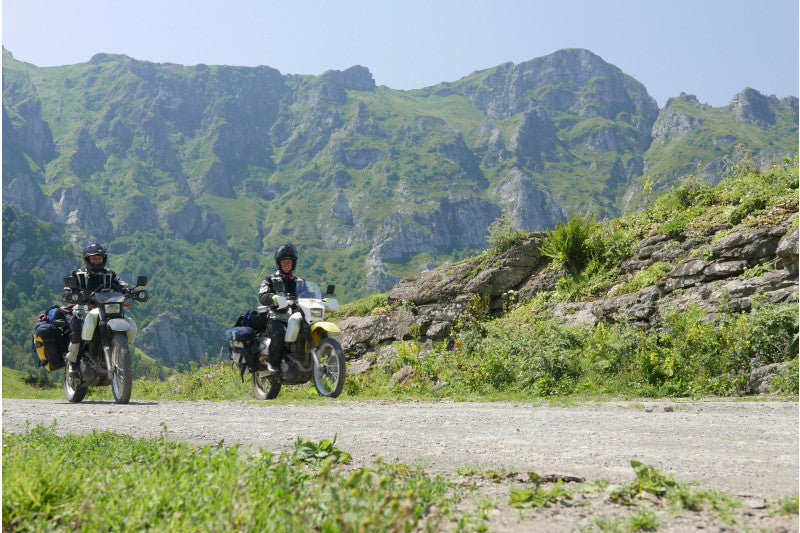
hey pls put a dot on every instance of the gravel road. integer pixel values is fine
(738, 447)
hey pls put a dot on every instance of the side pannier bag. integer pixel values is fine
(50, 343)
(242, 345)
(252, 319)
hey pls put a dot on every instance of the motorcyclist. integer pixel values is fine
(93, 276)
(286, 261)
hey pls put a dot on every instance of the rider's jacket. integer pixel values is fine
(92, 280)
(291, 284)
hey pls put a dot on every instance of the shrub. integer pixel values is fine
(568, 244)
(787, 382)
(503, 235)
(366, 306)
(772, 334)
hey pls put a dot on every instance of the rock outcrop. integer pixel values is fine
(734, 270)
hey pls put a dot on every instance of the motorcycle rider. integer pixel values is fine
(93, 276)
(286, 261)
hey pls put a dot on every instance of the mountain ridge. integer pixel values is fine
(372, 183)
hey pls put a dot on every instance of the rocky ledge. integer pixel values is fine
(724, 265)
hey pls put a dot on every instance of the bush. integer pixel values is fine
(503, 235)
(528, 352)
(568, 244)
(787, 382)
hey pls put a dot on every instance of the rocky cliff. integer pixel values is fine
(534, 140)
(722, 266)
(170, 164)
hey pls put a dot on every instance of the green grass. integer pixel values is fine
(113, 482)
(18, 384)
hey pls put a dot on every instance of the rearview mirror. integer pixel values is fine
(330, 290)
(141, 281)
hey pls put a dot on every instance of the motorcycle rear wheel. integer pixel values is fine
(329, 374)
(265, 388)
(73, 390)
(122, 382)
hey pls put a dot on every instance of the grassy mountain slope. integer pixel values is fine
(194, 175)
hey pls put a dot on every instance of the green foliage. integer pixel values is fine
(537, 496)
(369, 305)
(682, 496)
(503, 235)
(787, 382)
(526, 351)
(746, 196)
(218, 381)
(758, 271)
(314, 453)
(568, 245)
(648, 479)
(155, 487)
(789, 505)
(18, 384)
(644, 520)
(645, 278)
(492, 475)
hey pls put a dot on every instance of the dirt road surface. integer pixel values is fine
(745, 448)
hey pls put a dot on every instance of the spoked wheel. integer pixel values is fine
(265, 387)
(329, 375)
(73, 390)
(122, 381)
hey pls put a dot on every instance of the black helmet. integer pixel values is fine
(95, 249)
(286, 251)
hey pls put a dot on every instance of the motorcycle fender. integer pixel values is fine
(119, 324)
(89, 323)
(293, 327)
(316, 328)
(132, 330)
(124, 324)
(330, 327)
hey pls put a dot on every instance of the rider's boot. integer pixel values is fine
(72, 359)
(273, 366)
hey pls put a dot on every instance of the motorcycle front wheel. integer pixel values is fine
(266, 387)
(122, 382)
(73, 390)
(329, 374)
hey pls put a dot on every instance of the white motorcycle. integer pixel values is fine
(309, 351)
(105, 357)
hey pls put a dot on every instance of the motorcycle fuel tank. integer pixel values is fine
(293, 327)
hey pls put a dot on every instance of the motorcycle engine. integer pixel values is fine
(89, 371)
(292, 375)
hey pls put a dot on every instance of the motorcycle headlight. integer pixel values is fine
(112, 309)
(316, 313)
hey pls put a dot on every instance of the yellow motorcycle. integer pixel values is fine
(309, 350)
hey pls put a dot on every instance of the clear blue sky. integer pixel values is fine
(710, 48)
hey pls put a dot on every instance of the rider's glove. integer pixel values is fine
(140, 295)
(275, 299)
